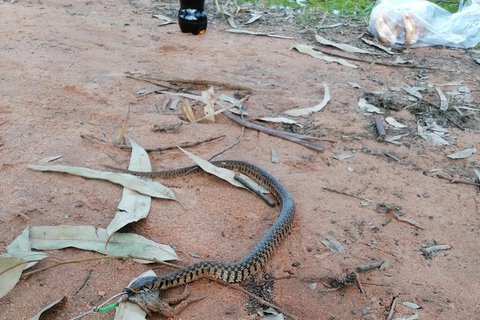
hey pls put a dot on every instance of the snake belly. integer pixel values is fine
(226, 272)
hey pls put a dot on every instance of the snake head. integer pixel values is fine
(143, 284)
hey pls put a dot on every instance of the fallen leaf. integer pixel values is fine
(394, 139)
(255, 17)
(232, 23)
(411, 305)
(222, 173)
(10, 275)
(302, 48)
(130, 310)
(443, 99)
(413, 92)
(272, 314)
(342, 46)
(151, 188)
(280, 120)
(257, 33)
(146, 91)
(166, 20)
(37, 316)
(274, 155)
(20, 248)
(308, 111)
(391, 121)
(207, 98)
(333, 244)
(379, 46)
(188, 111)
(87, 238)
(133, 206)
(367, 107)
(184, 95)
(342, 156)
(463, 154)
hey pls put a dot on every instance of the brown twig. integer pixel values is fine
(344, 193)
(181, 145)
(392, 308)
(230, 146)
(297, 138)
(84, 282)
(260, 300)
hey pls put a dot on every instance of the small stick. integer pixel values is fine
(181, 145)
(284, 135)
(230, 146)
(254, 189)
(260, 300)
(380, 129)
(390, 155)
(392, 308)
(435, 248)
(84, 282)
(344, 193)
(359, 284)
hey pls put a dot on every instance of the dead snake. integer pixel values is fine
(226, 272)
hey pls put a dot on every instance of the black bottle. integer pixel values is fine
(192, 17)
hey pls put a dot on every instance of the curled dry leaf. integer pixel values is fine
(307, 111)
(20, 248)
(342, 46)
(207, 98)
(187, 109)
(10, 271)
(37, 316)
(463, 154)
(133, 206)
(302, 48)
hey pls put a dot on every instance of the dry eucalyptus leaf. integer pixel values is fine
(391, 121)
(379, 46)
(37, 316)
(151, 188)
(184, 95)
(89, 238)
(307, 111)
(333, 244)
(255, 17)
(232, 23)
(367, 107)
(280, 120)
(187, 109)
(443, 100)
(130, 310)
(257, 33)
(302, 48)
(222, 173)
(9, 278)
(20, 248)
(207, 98)
(342, 46)
(463, 154)
(133, 206)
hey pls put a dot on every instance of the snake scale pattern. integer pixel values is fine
(226, 272)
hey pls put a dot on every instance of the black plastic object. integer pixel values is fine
(192, 17)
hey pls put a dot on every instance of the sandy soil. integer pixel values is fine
(62, 74)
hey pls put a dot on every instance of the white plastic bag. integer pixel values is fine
(419, 23)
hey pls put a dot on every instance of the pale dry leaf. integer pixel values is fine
(222, 173)
(379, 46)
(20, 248)
(307, 111)
(207, 99)
(463, 154)
(280, 120)
(391, 121)
(342, 46)
(37, 316)
(302, 48)
(9, 278)
(255, 17)
(133, 206)
(443, 99)
(184, 95)
(257, 33)
(89, 238)
(130, 310)
(333, 244)
(151, 188)
(367, 107)
(232, 23)
(187, 109)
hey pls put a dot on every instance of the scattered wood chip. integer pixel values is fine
(146, 91)
(411, 305)
(342, 156)
(394, 139)
(207, 98)
(354, 85)
(342, 46)
(194, 255)
(187, 109)
(274, 155)
(174, 104)
(302, 48)
(462, 154)
(413, 92)
(380, 129)
(429, 252)
(38, 314)
(308, 111)
(257, 33)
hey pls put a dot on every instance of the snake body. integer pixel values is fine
(226, 272)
